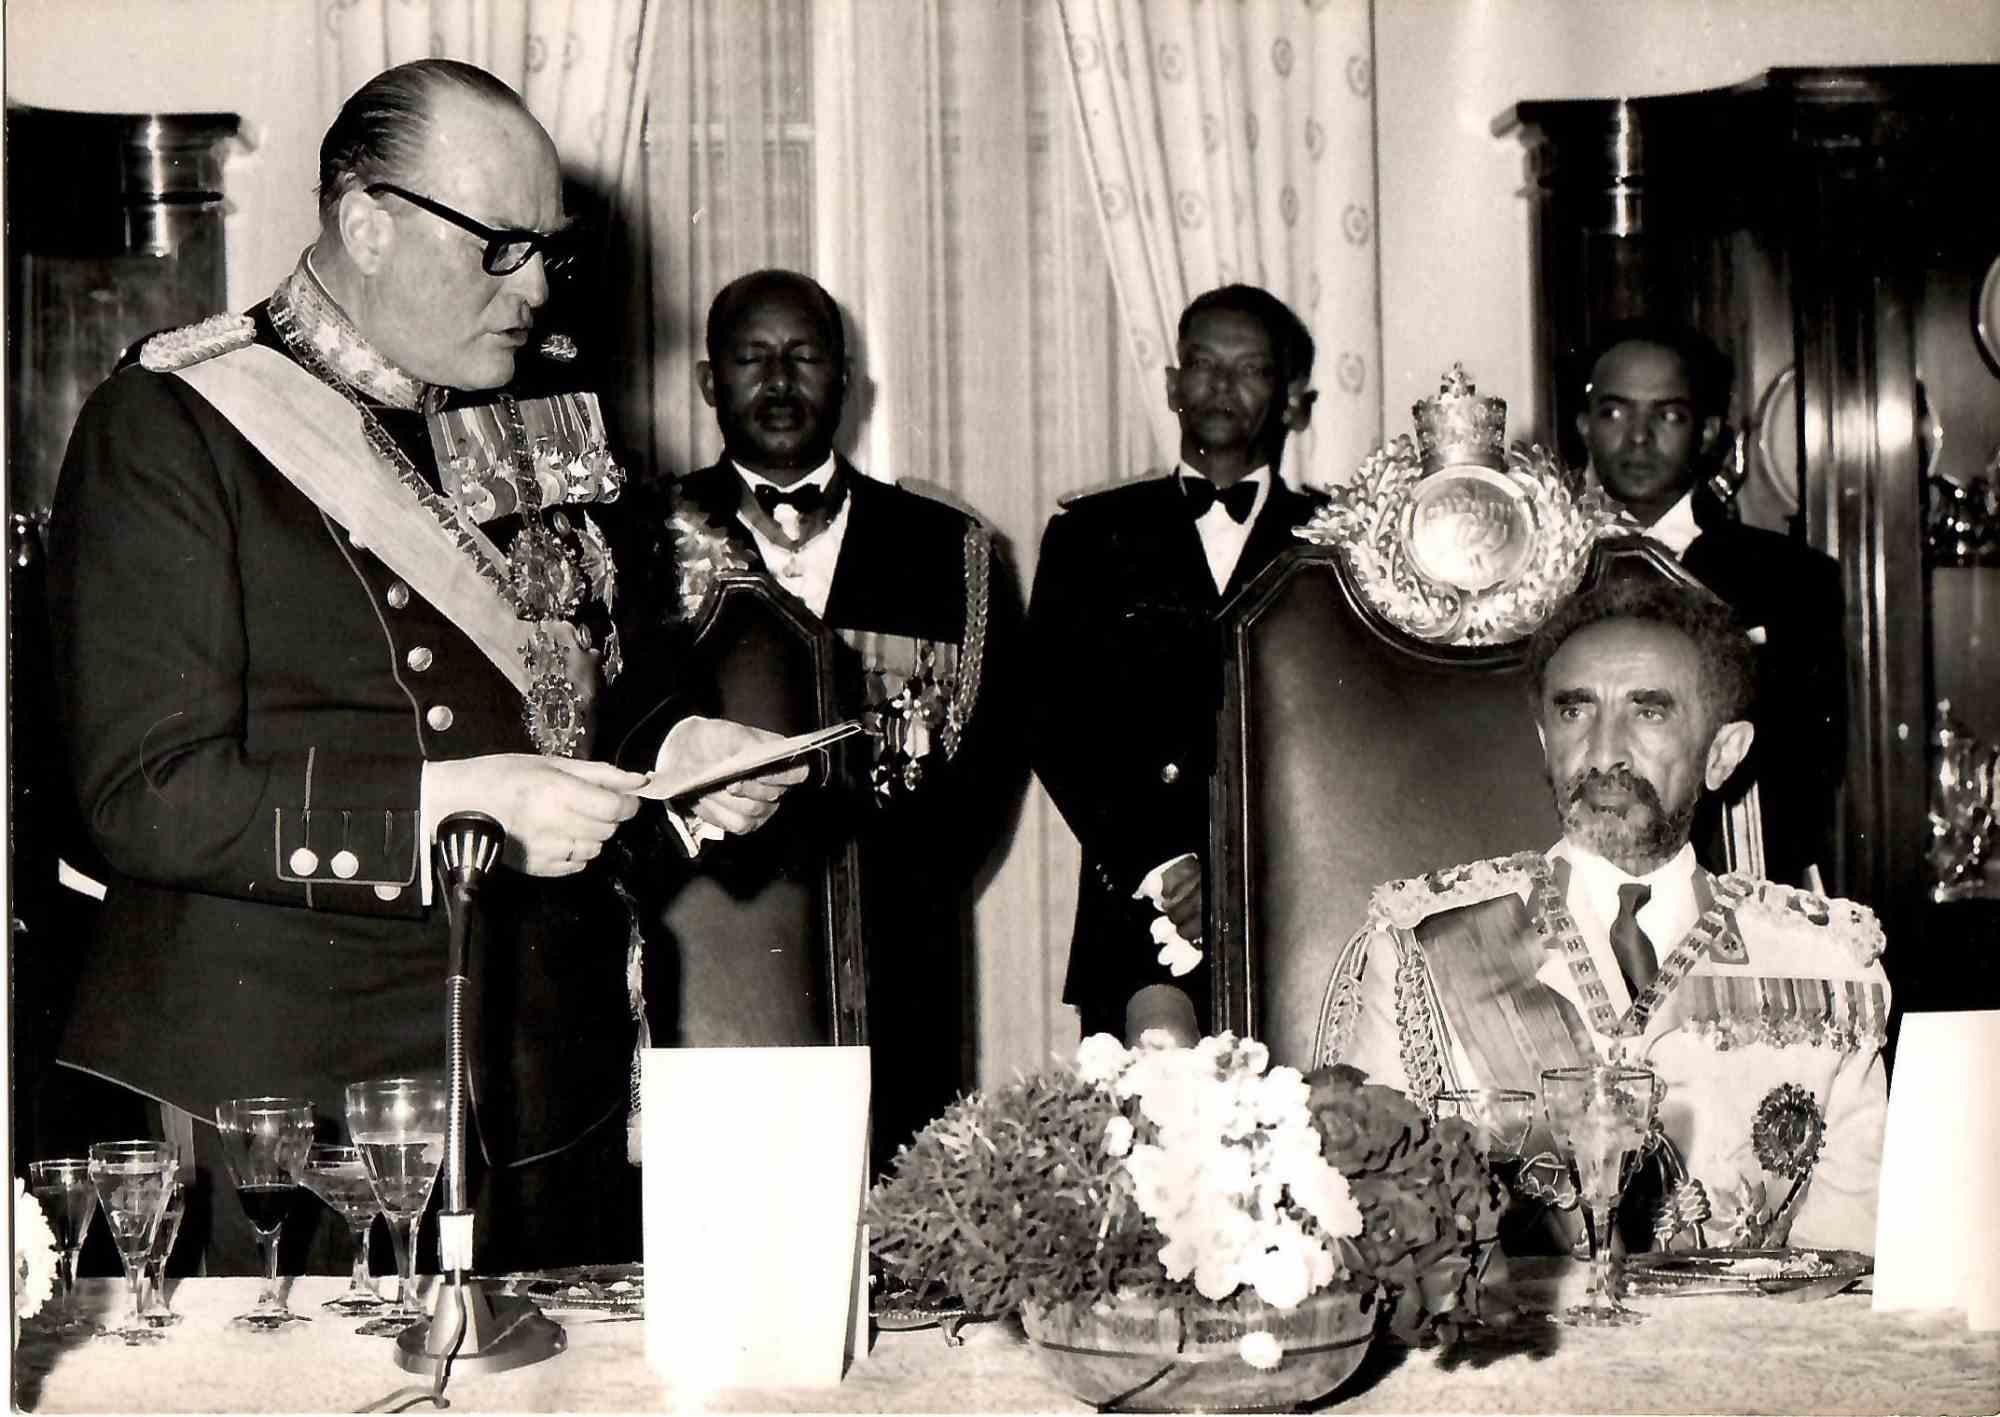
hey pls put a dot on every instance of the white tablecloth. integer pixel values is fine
(1709, 1354)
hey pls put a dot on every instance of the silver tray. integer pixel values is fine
(616, 1288)
(1720, 1271)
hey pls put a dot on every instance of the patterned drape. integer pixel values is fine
(1236, 142)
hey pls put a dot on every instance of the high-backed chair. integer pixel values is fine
(1349, 754)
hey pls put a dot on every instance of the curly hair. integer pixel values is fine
(1709, 371)
(733, 299)
(1728, 668)
(1291, 341)
(379, 132)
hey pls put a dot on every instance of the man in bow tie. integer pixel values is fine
(1761, 1008)
(287, 650)
(1124, 632)
(926, 617)
(1652, 420)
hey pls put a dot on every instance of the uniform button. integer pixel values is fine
(398, 595)
(1171, 773)
(386, 891)
(345, 864)
(304, 861)
(419, 659)
(439, 717)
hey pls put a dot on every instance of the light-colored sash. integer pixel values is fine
(1482, 960)
(314, 437)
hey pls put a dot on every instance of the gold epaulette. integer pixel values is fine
(1848, 922)
(944, 497)
(1409, 902)
(1071, 499)
(190, 344)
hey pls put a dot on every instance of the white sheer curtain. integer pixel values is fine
(1236, 142)
(918, 157)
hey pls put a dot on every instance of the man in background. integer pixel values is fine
(1653, 410)
(1127, 654)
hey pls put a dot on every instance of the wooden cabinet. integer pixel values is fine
(1832, 229)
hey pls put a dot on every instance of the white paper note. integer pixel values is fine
(754, 1161)
(1937, 1228)
(753, 761)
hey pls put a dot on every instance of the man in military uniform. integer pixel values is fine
(287, 649)
(1654, 402)
(1761, 1007)
(926, 617)
(1124, 638)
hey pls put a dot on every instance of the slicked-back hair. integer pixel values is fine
(746, 290)
(1710, 372)
(1728, 669)
(379, 133)
(1291, 341)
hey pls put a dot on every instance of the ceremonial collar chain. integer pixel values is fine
(320, 322)
(1554, 922)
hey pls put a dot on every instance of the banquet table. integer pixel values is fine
(1717, 1354)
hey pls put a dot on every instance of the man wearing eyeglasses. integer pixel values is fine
(293, 637)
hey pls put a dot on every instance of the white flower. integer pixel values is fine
(34, 1254)
(1117, 1136)
(1100, 1058)
(1261, 1350)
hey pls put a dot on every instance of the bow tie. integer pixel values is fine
(1201, 494)
(807, 499)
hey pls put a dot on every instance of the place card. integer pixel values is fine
(1937, 1230)
(754, 1163)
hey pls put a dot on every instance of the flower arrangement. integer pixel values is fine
(34, 1255)
(1184, 1175)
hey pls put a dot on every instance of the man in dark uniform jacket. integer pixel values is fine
(926, 615)
(286, 650)
(1653, 410)
(1125, 641)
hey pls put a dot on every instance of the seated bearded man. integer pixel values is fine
(1761, 1008)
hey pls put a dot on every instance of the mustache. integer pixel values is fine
(1620, 777)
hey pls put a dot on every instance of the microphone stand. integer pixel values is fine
(470, 1327)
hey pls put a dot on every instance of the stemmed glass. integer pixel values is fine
(133, 1179)
(157, 1311)
(1600, 1117)
(1500, 1118)
(264, 1141)
(398, 1125)
(63, 1187)
(335, 1174)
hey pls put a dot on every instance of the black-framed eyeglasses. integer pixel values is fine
(507, 248)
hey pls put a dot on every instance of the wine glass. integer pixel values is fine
(335, 1174)
(157, 1311)
(264, 1141)
(133, 1179)
(1600, 1116)
(1500, 1118)
(63, 1187)
(398, 1125)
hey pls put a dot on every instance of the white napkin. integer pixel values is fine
(1937, 1230)
(754, 1160)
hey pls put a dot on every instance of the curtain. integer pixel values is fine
(1236, 142)
(919, 159)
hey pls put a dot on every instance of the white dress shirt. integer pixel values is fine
(1222, 536)
(1676, 529)
(807, 570)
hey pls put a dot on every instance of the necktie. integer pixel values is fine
(1629, 945)
(1201, 494)
(807, 499)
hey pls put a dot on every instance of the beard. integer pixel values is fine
(1637, 835)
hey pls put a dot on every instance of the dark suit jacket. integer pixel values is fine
(901, 571)
(1792, 593)
(239, 680)
(1125, 641)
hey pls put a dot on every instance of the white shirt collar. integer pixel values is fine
(1222, 536)
(1669, 912)
(819, 477)
(1676, 529)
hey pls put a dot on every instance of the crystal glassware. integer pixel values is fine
(133, 1180)
(1600, 1117)
(157, 1311)
(335, 1174)
(63, 1187)
(264, 1142)
(398, 1125)
(1500, 1117)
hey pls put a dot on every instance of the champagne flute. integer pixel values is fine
(264, 1141)
(133, 1179)
(63, 1187)
(158, 1312)
(398, 1125)
(335, 1174)
(1600, 1117)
